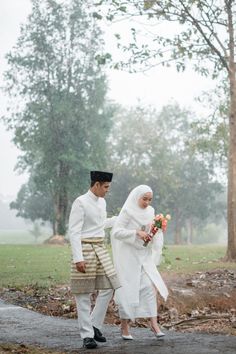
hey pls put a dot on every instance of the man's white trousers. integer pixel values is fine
(87, 319)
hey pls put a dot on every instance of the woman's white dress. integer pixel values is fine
(136, 267)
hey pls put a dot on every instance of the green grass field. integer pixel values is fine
(188, 259)
(19, 237)
(46, 266)
(28, 264)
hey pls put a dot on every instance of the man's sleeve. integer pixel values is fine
(110, 222)
(76, 221)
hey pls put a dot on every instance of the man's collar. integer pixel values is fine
(92, 195)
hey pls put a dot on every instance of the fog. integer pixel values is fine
(159, 88)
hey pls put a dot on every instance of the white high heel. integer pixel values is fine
(159, 334)
(128, 337)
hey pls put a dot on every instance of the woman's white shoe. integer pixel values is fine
(159, 334)
(128, 337)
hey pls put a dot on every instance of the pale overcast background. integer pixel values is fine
(157, 87)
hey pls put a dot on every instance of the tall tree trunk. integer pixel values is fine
(177, 234)
(54, 227)
(61, 204)
(231, 250)
(190, 232)
(61, 212)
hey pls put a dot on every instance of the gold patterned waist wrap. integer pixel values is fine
(100, 272)
(93, 240)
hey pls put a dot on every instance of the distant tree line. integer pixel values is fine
(65, 126)
(58, 111)
(159, 149)
(200, 32)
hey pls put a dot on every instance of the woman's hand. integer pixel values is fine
(142, 235)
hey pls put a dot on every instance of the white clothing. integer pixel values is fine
(88, 218)
(96, 318)
(99, 311)
(148, 301)
(131, 205)
(131, 257)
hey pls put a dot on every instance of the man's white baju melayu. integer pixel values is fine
(88, 219)
(135, 264)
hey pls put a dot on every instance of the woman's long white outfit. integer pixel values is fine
(135, 264)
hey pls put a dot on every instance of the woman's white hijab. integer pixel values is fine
(142, 217)
(129, 298)
(131, 205)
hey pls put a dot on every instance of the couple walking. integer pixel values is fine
(134, 276)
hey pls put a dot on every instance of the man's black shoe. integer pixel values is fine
(98, 335)
(89, 343)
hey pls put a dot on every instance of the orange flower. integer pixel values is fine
(158, 217)
(159, 223)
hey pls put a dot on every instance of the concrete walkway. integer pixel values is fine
(19, 325)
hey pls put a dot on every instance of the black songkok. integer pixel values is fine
(99, 176)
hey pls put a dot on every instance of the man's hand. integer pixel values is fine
(81, 266)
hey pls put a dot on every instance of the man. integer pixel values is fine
(92, 268)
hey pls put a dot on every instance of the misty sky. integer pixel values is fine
(157, 87)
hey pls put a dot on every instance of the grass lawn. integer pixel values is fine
(28, 264)
(20, 237)
(189, 259)
(46, 266)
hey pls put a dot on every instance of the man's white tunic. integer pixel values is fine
(88, 219)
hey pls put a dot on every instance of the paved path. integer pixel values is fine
(19, 325)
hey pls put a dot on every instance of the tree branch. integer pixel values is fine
(200, 30)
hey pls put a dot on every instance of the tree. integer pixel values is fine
(36, 231)
(58, 111)
(33, 204)
(204, 34)
(212, 131)
(152, 147)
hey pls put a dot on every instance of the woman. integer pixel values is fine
(136, 264)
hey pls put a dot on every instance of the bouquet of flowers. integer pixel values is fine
(159, 223)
